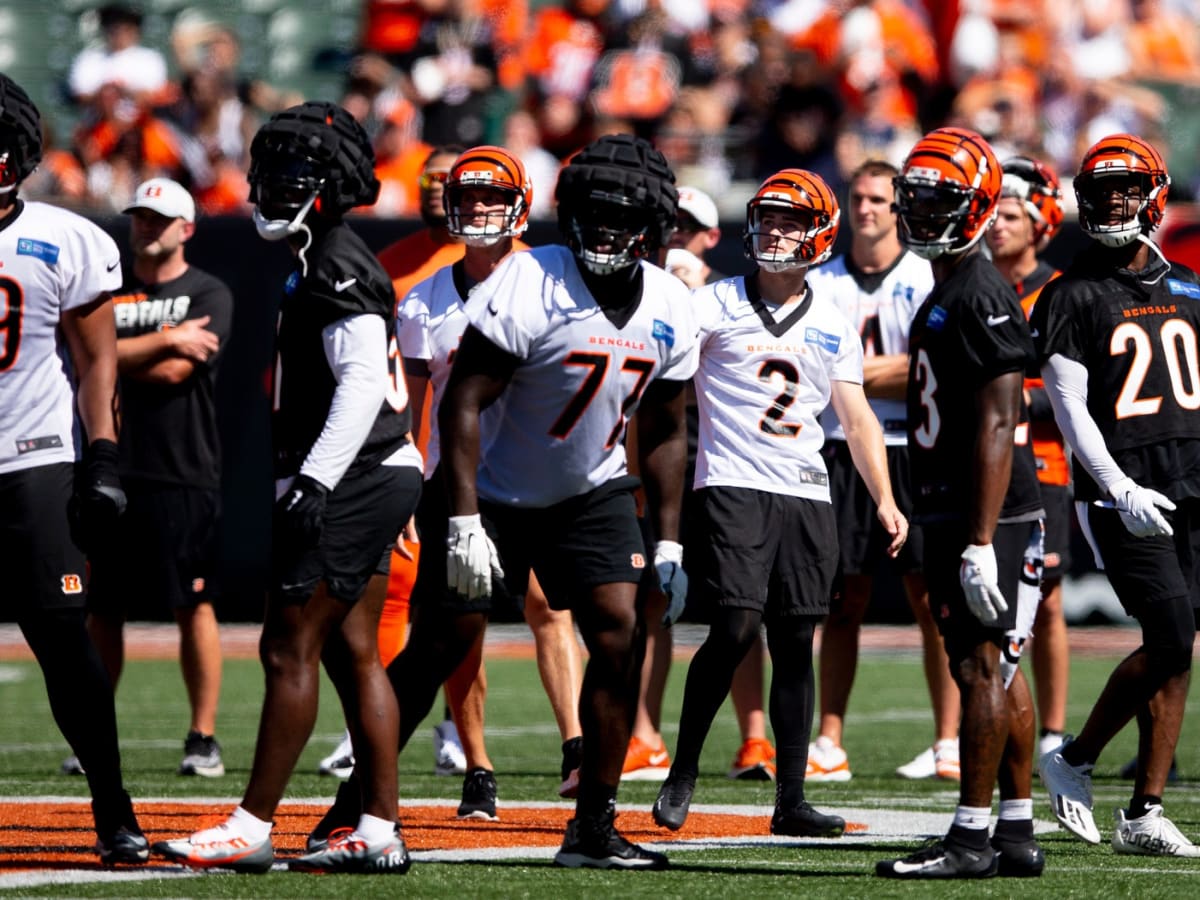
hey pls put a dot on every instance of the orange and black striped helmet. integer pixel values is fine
(1121, 169)
(1034, 183)
(487, 167)
(803, 196)
(947, 192)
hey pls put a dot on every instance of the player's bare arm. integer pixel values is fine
(91, 334)
(416, 377)
(480, 374)
(865, 440)
(999, 404)
(886, 377)
(662, 453)
(168, 356)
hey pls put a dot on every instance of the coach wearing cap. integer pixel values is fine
(173, 322)
(697, 230)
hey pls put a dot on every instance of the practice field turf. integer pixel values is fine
(724, 851)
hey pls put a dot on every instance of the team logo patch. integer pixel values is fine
(47, 253)
(637, 561)
(1186, 288)
(663, 332)
(937, 319)
(72, 584)
(828, 342)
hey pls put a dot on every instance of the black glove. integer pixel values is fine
(98, 500)
(300, 512)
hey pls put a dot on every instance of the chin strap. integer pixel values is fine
(308, 239)
(1154, 248)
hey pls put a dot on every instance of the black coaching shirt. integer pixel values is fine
(169, 431)
(970, 330)
(1136, 333)
(344, 279)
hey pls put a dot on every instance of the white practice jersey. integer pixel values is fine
(562, 418)
(430, 323)
(761, 385)
(881, 307)
(51, 260)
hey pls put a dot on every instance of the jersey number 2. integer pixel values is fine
(1178, 340)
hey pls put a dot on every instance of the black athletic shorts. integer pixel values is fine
(1056, 500)
(165, 550)
(363, 515)
(944, 544)
(1150, 569)
(431, 588)
(43, 569)
(572, 546)
(862, 540)
(769, 552)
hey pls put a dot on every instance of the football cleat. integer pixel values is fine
(345, 813)
(945, 859)
(645, 763)
(201, 756)
(827, 762)
(219, 848)
(448, 756)
(596, 844)
(1019, 858)
(946, 765)
(1151, 835)
(920, 766)
(755, 761)
(125, 845)
(479, 796)
(802, 820)
(348, 852)
(1070, 789)
(72, 766)
(339, 763)
(673, 802)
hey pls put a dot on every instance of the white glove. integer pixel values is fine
(471, 558)
(1139, 507)
(980, 583)
(668, 564)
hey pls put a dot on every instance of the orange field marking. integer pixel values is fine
(59, 835)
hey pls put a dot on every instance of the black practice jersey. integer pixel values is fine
(344, 279)
(1136, 335)
(970, 330)
(169, 431)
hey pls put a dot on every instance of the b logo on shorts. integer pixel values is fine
(197, 585)
(637, 561)
(72, 584)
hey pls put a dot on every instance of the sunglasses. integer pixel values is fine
(429, 179)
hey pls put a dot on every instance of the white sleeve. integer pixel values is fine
(356, 348)
(1067, 387)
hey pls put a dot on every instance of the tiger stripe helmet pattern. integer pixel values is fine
(1034, 183)
(805, 196)
(947, 192)
(488, 167)
(1125, 163)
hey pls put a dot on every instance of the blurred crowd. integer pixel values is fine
(730, 90)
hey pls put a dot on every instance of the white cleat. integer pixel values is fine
(448, 756)
(921, 766)
(339, 763)
(1151, 835)
(1070, 789)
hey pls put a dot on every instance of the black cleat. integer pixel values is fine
(123, 846)
(673, 802)
(346, 809)
(804, 821)
(945, 859)
(479, 796)
(1019, 858)
(595, 844)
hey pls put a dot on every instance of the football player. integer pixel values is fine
(878, 286)
(570, 341)
(58, 272)
(347, 479)
(488, 197)
(976, 496)
(773, 354)
(1119, 355)
(1027, 217)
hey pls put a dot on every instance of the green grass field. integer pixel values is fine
(888, 723)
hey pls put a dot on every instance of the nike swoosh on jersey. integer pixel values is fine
(996, 320)
(340, 286)
(113, 266)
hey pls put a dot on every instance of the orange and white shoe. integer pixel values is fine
(755, 761)
(945, 760)
(827, 762)
(222, 847)
(645, 763)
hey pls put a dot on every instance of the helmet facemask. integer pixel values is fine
(781, 237)
(933, 216)
(483, 229)
(610, 232)
(1113, 205)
